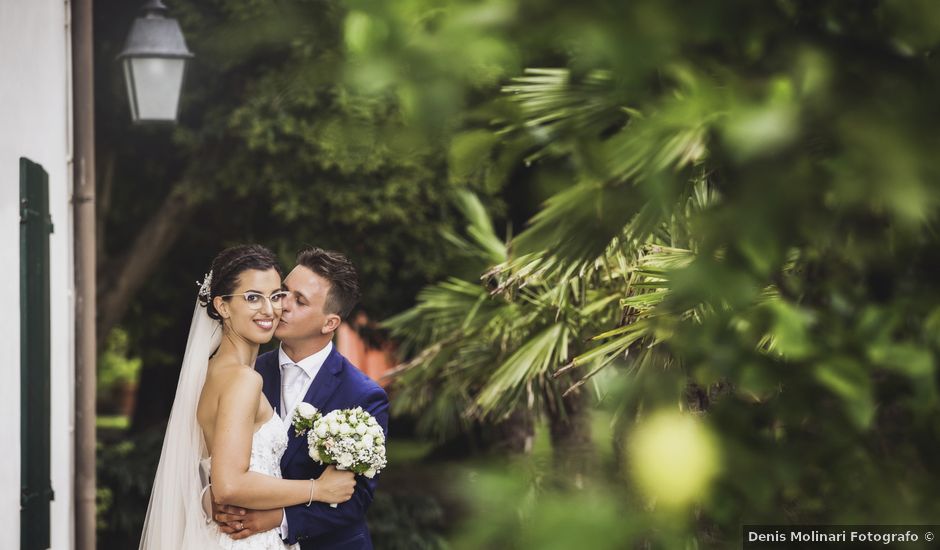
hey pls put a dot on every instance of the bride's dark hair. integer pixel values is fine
(228, 265)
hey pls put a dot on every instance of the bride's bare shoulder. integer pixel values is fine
(231, 374)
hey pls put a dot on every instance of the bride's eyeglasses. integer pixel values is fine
(255, 299)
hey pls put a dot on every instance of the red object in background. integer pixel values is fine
(375, 362)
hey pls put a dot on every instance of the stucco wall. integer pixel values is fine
(35, 123)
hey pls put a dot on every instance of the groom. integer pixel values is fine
(323, 289)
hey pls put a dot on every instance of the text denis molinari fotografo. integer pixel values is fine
(841, 536)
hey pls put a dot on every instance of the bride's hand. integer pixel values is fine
(335, 486)
(239, 523)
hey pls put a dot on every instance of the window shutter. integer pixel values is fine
(35, 346)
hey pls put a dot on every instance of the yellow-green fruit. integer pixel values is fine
(673, 458)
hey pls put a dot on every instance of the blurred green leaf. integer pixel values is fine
(851, 384)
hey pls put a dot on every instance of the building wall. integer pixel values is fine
(35, 123)
(374, 362)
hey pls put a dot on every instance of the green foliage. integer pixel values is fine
(749, 220)
(114, 366)
(111, 422)
(125, 471)
(480, 358)
(403, 522)
(507, 516)
(273, 146)
(118, 373)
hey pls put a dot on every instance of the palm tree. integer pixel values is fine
(754, 200)
(584, 287)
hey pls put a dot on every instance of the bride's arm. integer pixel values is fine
(232, 483)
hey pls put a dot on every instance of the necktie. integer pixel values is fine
(292, 381)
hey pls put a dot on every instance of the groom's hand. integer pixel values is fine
(239, 523)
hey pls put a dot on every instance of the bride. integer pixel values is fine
(220, 412)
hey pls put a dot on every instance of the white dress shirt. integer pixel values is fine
(311, 366)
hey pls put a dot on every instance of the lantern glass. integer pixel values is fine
(153, 85)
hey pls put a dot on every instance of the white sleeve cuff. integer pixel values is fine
(283, 524)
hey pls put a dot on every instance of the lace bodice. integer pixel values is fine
(267, 447)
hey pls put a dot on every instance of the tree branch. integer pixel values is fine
(120, 279)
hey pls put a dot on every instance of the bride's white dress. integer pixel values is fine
(175, 517)
(267, 446)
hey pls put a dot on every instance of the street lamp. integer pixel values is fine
(154, 59)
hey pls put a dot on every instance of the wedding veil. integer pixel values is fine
(175, 518)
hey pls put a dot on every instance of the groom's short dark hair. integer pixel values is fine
(336, 268)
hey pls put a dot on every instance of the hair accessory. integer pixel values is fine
(205, 285)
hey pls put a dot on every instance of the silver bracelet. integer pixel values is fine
(313, 484)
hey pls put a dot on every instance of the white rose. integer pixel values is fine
(306, 410)
(321, 429)
(345, 429)
(367, 441)
(345, 460)
(361, 429)
(375, 431)
(370, 473)
(315, 454)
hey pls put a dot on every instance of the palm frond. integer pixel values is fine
(535, 358)
(480, 227)
(552, 101)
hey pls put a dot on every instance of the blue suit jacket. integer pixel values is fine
(338, 385)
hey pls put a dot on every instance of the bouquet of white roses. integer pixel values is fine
(304, 416)
(349, 438)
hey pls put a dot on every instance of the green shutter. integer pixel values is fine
(35, 227)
